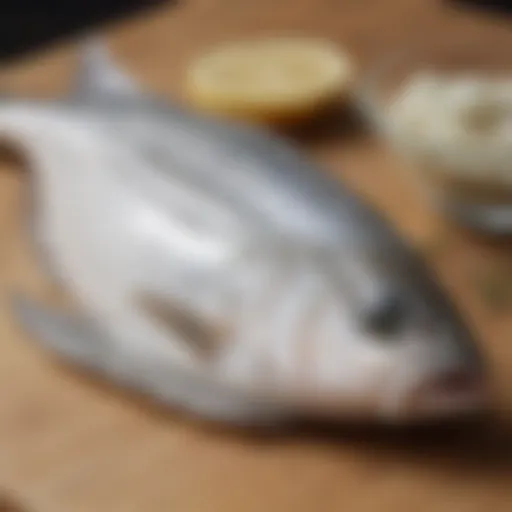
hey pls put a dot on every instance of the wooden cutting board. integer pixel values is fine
(68, 444)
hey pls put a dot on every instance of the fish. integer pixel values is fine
(220, 271)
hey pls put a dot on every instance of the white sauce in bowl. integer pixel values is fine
(460, 126)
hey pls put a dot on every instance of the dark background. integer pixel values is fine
(26, 25)
(497, 6)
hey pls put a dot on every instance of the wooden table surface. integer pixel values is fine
(68, 444)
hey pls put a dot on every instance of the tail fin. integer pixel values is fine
(97, 74)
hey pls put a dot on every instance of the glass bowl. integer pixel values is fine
(468, 179)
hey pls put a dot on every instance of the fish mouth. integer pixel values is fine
(447, 395)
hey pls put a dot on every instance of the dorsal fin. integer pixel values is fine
(97, 74)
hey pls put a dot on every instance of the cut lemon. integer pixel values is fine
(269, 80)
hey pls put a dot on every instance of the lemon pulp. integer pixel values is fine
(269, 79)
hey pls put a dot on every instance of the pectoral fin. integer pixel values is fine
(200, 335)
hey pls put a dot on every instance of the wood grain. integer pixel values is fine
(68, 444)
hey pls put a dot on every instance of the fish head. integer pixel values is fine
(397, 345)
(339, 337)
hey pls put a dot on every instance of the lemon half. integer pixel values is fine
(269, 80)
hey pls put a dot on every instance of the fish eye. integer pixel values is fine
(384, 316)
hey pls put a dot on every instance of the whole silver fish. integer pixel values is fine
(220, 271)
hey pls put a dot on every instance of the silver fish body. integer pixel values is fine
(219, 269)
